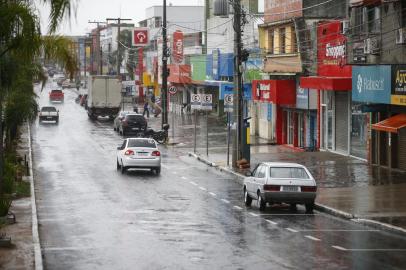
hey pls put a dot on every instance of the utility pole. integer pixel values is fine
(238, 115)
(98, 54)
(165, 55)
(206, 17)
(118, 20)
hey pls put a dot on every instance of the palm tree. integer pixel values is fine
(21, 47)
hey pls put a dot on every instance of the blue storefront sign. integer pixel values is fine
(229, 89)
(302, 98)
(371, 84)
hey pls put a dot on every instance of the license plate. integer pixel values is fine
(135, 128)
(290, 188)
(142, 154)
(49, 117)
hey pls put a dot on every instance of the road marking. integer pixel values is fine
(225, 201)
(272, 222)
(312, 238)
(253, 214)
(291, 230)
(339, 248)
(212, 194)
(202, 188)
(237, 207)
(193, 183)
(184, 178)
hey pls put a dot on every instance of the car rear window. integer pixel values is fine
(48, 109)
(56, 91)
(146, 143)
(288, 172)
(135, 118)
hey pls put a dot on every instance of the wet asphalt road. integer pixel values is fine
(189, 217)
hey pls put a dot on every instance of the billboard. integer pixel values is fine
(177, 47)
(140, 37)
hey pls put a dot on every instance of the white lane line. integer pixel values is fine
(202, 188)
(272, 222)
(225, 201)
(237, 207)
(291, 230)
(312, 238)
(184, 178)
(253, 214)
(339, 248)
(193, 183)
(213, 194)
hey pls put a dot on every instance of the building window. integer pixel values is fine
(358, 14)
(270, 41)
(293, 40)
(158, 22)
(374, 19)
(282, 40)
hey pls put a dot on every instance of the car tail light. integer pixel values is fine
(272, 187)
(309, 188)
(156, 154)
(129, 153)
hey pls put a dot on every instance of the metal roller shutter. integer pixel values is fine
(341, 102)
(402, 149)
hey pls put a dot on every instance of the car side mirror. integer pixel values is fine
(119, 147)
(249, 173)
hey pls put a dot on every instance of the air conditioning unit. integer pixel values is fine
(345, 27)
(372, 46)
(401, 36)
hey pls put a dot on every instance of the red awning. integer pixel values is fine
(392, 124)
(326, 83)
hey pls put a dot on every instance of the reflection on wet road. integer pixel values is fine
(189, 217)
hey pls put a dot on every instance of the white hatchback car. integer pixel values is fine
(140, 153)
(273, 182)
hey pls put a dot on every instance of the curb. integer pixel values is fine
(35, 234)
(318, 206)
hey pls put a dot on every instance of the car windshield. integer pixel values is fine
(146, 143)
(48, 109)
(288, 172)
(56, 91)
(135, 118)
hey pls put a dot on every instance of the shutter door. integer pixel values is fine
(341, 102)
(402, 149)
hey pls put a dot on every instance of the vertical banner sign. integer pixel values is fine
(140, 37)
(228, 102)
(207, 102)
(195, 102)
(398, 95)
(177, 47)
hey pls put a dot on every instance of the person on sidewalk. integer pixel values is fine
(146, 110)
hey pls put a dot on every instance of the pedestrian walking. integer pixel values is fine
(146, 110)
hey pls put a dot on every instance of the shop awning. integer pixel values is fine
(326, 83)
(392, 124)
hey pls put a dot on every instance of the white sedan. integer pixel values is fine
(139, 153)
(273, 182)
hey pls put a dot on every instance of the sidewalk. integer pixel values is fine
(348, 187)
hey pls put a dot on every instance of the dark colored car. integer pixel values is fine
(132, 123)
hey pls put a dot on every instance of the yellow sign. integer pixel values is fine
(398, 100)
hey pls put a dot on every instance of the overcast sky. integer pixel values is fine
(99, 10)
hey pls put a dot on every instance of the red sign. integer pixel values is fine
(177, 48)
(277, 10)
(332, 50)
(281, 92)
(140, 36)
(179, 74)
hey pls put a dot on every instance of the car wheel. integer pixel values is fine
(309, 207)
(158, 171)
(114, 128)
(118, 166)
(293, 207)
(261, 202)
(247, 198)
(123, 169)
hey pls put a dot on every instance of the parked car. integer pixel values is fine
(59, 81)
(56, 95)
(273, 182)
(49, 113)
(132, 123)
(68, 84)
(135, 153)
(118, 119)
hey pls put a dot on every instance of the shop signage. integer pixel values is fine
(302, 98)
(140, 36)
(398, 96)
(262, 90)
(371, 84)
(228, 102)
(195, 102)
(179, 74)
(177, 49)
(172, 90)
(207, 102)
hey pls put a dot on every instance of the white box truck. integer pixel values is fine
(104, 96)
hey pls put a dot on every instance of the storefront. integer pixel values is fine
(179, 80)
(268, 118)
(334, 83)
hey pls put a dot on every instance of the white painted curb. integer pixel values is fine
(35, 233)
